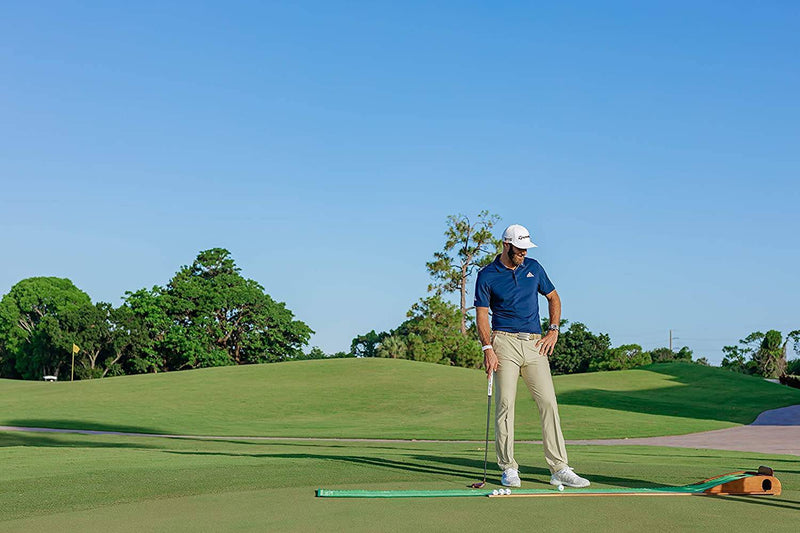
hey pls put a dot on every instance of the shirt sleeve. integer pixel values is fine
(545, 285)
(482, 291)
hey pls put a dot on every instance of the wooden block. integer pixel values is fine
(755, 485)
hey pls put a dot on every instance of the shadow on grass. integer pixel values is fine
(669, 402)
(81, 426)
(698, 393)
(43, 440)
(450, 466)
(763, 500)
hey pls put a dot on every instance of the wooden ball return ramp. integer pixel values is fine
(760, 483)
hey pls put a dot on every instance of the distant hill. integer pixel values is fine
(384, 398)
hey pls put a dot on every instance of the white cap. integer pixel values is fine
(518, 236)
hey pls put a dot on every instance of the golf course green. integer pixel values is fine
(75, 482)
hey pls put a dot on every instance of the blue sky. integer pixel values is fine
(652, 151)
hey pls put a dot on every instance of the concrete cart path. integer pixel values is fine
(775, 431)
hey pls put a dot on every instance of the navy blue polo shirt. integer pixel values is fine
(513, 295)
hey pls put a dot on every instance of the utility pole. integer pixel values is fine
(670, 340)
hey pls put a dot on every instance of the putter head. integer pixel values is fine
(478, 485)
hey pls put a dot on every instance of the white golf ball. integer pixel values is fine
(495, 493)
(508, 491)
(561, 488)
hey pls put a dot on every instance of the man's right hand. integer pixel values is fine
(490, 362)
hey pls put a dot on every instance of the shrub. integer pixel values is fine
(790, 380)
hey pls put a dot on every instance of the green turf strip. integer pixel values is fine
(685, 489)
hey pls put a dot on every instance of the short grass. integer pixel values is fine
(111, 483)
(122, 483)
(379, 398)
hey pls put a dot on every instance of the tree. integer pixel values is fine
(209, 315)
(317, 353)
(769, 356)
(431, 333)
(468, 246)
(760, 353)
(576, 348)
(740, 358)
(736, 359)
(435, 334)
(684, 354)
(663, 355)
(793, 367)
(794, 338)
(220, 318)
(622, 358)
(366, 345)
(392, 347)
(100, 342)
(142, 324)
(39, 320)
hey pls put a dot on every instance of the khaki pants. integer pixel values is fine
(517, 357)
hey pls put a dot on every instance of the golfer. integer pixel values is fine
(513, 345)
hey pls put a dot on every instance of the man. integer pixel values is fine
(513, 345)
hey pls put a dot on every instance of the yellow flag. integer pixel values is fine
(75, 349)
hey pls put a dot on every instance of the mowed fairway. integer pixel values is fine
(124, 483)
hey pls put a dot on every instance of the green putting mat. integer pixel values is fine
(460, 493)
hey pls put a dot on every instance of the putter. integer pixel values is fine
(480, 484)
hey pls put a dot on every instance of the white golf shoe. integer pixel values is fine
(510, 478)
(568, 478)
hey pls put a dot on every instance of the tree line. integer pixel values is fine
(206, 315)
(439, 331)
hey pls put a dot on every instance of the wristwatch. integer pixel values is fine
(553, 327)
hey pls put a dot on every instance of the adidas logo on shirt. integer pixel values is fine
(530, 275)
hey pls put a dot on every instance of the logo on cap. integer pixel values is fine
(519, 236)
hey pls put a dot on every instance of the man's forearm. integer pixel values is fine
(484, 329)
(554, 306)
(485, 333)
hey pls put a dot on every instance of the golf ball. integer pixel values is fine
(508, 491)
(561, 487)
(495, 493)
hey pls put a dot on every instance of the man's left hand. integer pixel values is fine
(547, 343)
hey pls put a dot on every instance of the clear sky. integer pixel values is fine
(652, 150)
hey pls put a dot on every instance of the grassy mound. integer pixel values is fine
(380, 398)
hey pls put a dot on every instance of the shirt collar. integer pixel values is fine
(500, 267)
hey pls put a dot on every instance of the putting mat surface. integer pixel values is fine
(724, 484)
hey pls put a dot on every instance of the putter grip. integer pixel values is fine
(491, 378)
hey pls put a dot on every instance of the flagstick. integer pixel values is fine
(75, 350)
